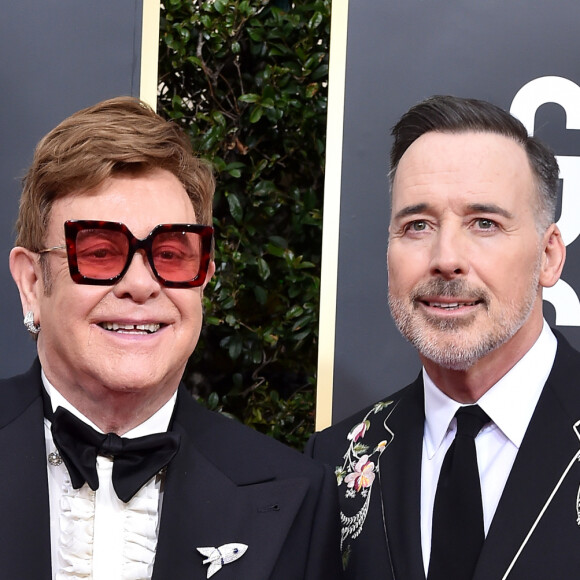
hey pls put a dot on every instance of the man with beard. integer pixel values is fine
(472, 242)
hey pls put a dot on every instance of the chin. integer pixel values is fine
(127, 381)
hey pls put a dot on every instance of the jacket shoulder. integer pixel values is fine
(240, 450)
(330, 444)
(565, 375)
(18, 393)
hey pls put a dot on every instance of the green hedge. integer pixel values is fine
(248, 81)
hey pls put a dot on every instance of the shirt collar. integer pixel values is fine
(157, 423)
(510, 403)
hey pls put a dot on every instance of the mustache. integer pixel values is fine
(449, 289)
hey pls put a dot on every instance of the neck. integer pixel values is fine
(114, 412)
(120, 414)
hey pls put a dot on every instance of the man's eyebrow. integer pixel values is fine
(491, 208)
(411, 210)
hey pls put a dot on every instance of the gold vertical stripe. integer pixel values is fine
(150, 52)
(331, 215)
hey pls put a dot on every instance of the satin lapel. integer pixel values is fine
(548, 448)
(211, 500)
(400, 474)
(25, 522)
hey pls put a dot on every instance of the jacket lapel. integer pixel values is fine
(400, 473)
(547, 450)
(212, 497)
(25, 522)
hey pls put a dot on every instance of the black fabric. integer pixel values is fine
(209, 498)
(136, 460)
(457, 532)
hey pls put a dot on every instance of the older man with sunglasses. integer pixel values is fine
(110, 469)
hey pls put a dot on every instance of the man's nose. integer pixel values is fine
(139, 282)
(449, 257)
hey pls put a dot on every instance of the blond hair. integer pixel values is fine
(116, 136)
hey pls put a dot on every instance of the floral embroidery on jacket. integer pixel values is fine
(359, 470)
(363, 474)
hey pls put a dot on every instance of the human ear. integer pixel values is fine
(209, 274)
(26, 272)
(553, 256)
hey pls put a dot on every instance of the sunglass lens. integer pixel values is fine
(101, 254)
(177, 255)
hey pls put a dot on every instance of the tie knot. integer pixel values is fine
(111, 446)
(137, 460)
(470, 420)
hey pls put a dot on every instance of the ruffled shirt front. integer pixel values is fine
(95, 535)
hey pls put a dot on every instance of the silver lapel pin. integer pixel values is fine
(222, 555)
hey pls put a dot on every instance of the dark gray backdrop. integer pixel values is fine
(58, 56)
(398, 53)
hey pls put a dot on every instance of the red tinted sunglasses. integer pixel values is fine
(100, 252)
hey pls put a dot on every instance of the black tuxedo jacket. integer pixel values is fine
(535, 533)
(226, 484)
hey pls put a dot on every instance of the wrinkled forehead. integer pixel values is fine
(141, 202)
(449, 164)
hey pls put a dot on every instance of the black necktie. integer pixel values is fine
(136, 461)
(457, 533)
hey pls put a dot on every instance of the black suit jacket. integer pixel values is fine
(535, 533)
(226, 484)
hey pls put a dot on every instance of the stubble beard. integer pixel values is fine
(458, 343)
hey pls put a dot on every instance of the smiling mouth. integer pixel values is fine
(130, 328)
(451, 305)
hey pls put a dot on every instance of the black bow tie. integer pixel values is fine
(136, 461)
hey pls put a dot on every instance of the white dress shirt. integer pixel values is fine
(95, 535)
(510, 404)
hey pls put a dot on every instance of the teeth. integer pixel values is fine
(130, 327)
(450, 305)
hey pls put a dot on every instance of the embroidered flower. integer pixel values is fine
(358, 431)
(359, 473)
(363, 474)
(381, 446)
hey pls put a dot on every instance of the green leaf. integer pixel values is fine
(302, 321)
(298, 336)
(235, 207)
(235, 347)
(249, 98)
(279, 241)
(219, 118)
(220, 5)
(263, 269)
(295, 311)
(256, 114)
(213, 400)
(275, 250)
(316, 20)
